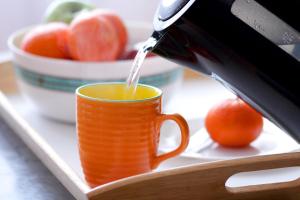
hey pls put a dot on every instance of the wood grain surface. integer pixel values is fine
(205, 181)
(7, 79)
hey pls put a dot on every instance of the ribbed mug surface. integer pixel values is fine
(117, 139)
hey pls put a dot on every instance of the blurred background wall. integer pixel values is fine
(15, 14)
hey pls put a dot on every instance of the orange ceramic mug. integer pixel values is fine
(118, 137)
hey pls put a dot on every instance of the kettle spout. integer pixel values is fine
(175, 46)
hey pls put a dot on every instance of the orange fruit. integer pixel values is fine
(93, 38)
(48, 40)
(119, 26)
(233, 123)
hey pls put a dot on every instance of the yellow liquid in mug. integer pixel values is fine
(118, 92)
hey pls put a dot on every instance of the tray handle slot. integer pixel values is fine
(263, 180)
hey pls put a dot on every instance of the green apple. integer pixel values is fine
(66, 10)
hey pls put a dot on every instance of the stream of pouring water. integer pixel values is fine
(134, 75)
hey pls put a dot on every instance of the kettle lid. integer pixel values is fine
(168, 8)
(169, 11)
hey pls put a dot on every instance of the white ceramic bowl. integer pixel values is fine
(49, 83)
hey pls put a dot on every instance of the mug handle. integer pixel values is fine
(184, 129)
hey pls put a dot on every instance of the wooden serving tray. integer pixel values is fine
(178, 178)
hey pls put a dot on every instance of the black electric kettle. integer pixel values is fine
(252, 47)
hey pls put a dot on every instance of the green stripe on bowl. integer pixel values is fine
(70, 85)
